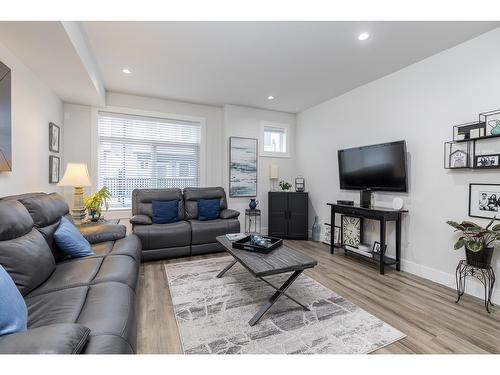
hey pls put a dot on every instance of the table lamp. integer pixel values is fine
(76, 175)
(273, 176)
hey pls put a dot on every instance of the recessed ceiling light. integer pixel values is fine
(126, 71)
(363, 36)
(270, 97)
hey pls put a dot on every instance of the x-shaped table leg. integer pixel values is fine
(279, 292)
(228, 267)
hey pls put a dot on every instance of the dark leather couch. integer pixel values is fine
(188, 236)
(74, 305)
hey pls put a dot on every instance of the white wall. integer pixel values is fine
(242, 121)
(34, 105)
(420, 104)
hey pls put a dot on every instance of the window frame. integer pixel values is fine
(126, 212)
(277, 125)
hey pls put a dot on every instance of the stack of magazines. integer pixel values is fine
(235, 236)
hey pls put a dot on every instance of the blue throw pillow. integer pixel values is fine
(165, 212)
(13, 310)
(208, 209)
(71, 241)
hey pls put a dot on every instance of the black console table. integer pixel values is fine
(381, 214)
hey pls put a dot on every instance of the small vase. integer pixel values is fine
(253, 204)
(316, 229)
(94, 216)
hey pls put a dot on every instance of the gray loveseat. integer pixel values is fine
(188, 236)
(74, 305)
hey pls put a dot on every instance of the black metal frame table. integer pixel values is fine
(254, 215)
(280, 260)
(381, 214)
(484, 274)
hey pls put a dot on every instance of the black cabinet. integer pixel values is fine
(288, 215)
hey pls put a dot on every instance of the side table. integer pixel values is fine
(251, 219)
(485, 275)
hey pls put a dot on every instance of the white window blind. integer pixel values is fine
(139, 152)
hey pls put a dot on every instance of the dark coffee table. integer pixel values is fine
(281, 260)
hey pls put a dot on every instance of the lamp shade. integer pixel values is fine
(75, 175)
(273, 172)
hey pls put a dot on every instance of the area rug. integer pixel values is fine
(212, 314)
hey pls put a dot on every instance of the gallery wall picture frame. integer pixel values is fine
(487, 161)
(484, 200)
(243, 167)
(54, 169)
(54, 137)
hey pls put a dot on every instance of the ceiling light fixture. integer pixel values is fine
(363, 36)
(270, 97)
(126, 71)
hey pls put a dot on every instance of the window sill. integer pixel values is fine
(275, 154)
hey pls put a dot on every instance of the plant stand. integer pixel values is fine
(485, 275)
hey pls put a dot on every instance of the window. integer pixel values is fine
(138, 152)
(274, 140)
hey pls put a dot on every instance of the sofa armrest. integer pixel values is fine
(66, 338)
(229, 214)
(141, 220)
(102, 232)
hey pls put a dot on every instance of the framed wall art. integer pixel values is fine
(484, 200)
(54, 137)
(54, 169)
(243, 167)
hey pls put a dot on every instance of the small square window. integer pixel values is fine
(274, 140)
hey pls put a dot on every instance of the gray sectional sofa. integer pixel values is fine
(74, 305)
(188, 236)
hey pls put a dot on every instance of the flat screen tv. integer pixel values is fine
(5, 119)
(377, 167)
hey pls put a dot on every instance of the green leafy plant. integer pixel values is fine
(285, 185)
(474, 237)
(96, 201)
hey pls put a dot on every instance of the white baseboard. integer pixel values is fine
(474, 287)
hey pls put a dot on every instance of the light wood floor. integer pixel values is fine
(425, 311)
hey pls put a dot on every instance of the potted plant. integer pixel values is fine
(478, 241)
(95, 202)
(285, 185)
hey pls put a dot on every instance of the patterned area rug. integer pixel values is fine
(212, 314)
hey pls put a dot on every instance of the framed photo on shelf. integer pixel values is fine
(351, 230)
(487, 161)
(54, 137)
(376, 247)
(458, 159)
(54, 168)
(327, 235)
(484, 200)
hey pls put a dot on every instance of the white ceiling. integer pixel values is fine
(300, 63)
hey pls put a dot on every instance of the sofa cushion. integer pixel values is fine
(70, 273)
(157, 236)
(208, 209)
(59, 306)
(118, 268)
(206, 231)
(15, 220)
(13, 310)
(192, 195)
(71, 241)
(142, 200)
(46, 209)
(165, 212)
(28, 260)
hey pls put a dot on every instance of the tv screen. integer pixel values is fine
(375, 167)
